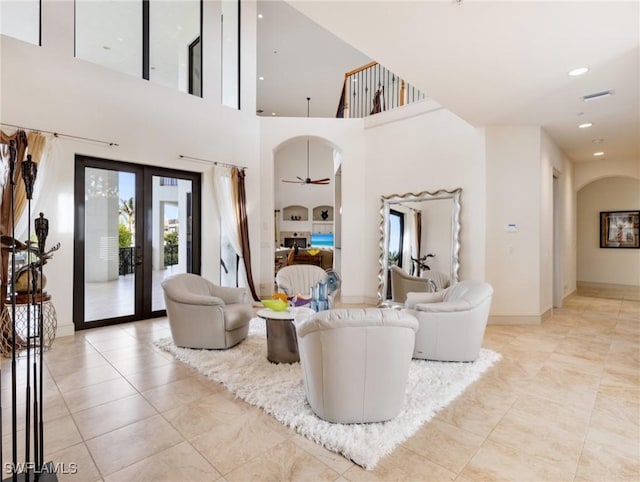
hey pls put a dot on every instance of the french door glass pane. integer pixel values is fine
(173, 27)
(171, 237)
(109, 253)
(109, 33)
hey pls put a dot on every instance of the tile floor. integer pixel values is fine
(562, 405)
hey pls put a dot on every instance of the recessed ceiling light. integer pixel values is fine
(273, 113)
(260, 15)
(598, 154)
(120, 39)
(598, 141)
(585, 125)
(578, 71)
(261, 78)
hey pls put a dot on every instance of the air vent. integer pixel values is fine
(597, 95)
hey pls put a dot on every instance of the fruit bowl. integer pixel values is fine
(275, 305)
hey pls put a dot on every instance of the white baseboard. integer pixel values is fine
(515, 319)
(65, 330)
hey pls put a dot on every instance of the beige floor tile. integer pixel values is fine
(75, 464)
(59, 434)
(178, 463)
(475, 412)
(445, 445)
(601, 462)
(175, 394)
(402, 465)
(204, 414)
(112, 415)
(160, 375)
(333, 460)
(97, 394)
(230, 445)
(498, 462)
(84, 377)
(64, 366)
(140, 362)
(537, 433)
(568, 386)
(285, 461)
(143, 439)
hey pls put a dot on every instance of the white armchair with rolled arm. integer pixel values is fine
(355, 363)
(300, 278)
(204, 315)
(452, 322)
(403, 283)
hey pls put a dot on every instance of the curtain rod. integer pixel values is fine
(58, 134)
(215, 163)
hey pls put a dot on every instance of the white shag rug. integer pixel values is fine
(277, 389)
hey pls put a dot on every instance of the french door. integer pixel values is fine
(134, 226)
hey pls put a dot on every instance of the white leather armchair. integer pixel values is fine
(403, 283)
(300, 278)
(355, 363)
(203, 315)
(452, 322)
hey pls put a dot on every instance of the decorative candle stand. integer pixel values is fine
(27, 335)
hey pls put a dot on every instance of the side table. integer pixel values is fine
(31, 335)
(282, 341)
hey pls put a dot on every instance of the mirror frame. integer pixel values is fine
(388, 202)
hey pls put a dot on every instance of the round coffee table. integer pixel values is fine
(282, 341)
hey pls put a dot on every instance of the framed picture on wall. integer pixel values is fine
(619, 229)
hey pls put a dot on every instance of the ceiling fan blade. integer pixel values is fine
(326, 180)
(294, 182)
(300, 178)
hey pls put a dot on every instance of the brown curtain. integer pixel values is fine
(237, 178)
(20, 138)
(418, 222)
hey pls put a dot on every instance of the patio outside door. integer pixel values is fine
(134, 227)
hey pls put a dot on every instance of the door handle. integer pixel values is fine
(138, 256)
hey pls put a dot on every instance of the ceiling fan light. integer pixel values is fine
(578, 71)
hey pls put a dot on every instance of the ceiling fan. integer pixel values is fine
(308, 180)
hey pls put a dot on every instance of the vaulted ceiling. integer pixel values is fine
(489, 62)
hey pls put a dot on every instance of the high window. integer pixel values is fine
(21, 20)
(158, 40)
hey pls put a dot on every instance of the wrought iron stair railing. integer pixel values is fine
(373, 88)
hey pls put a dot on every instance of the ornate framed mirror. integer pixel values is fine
(419, 233)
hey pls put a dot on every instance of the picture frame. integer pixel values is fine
(619, 229)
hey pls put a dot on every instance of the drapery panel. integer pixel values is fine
(238, 176)
(35, 144)
(228, 184)
(19, 140)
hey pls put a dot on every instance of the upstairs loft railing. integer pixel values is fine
(372, 88)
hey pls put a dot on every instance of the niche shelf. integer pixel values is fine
(317, 214)
(295, 213)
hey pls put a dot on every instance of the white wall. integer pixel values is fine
(514, 196)
(555, 163)
(606, 265)
(46, 88)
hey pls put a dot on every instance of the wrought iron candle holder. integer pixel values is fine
(33, 467)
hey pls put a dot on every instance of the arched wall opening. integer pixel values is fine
(306, 215)
(598, 266)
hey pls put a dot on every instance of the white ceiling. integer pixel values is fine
(490, 62)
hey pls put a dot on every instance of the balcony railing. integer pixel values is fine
(127, 258)
(372, 88)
